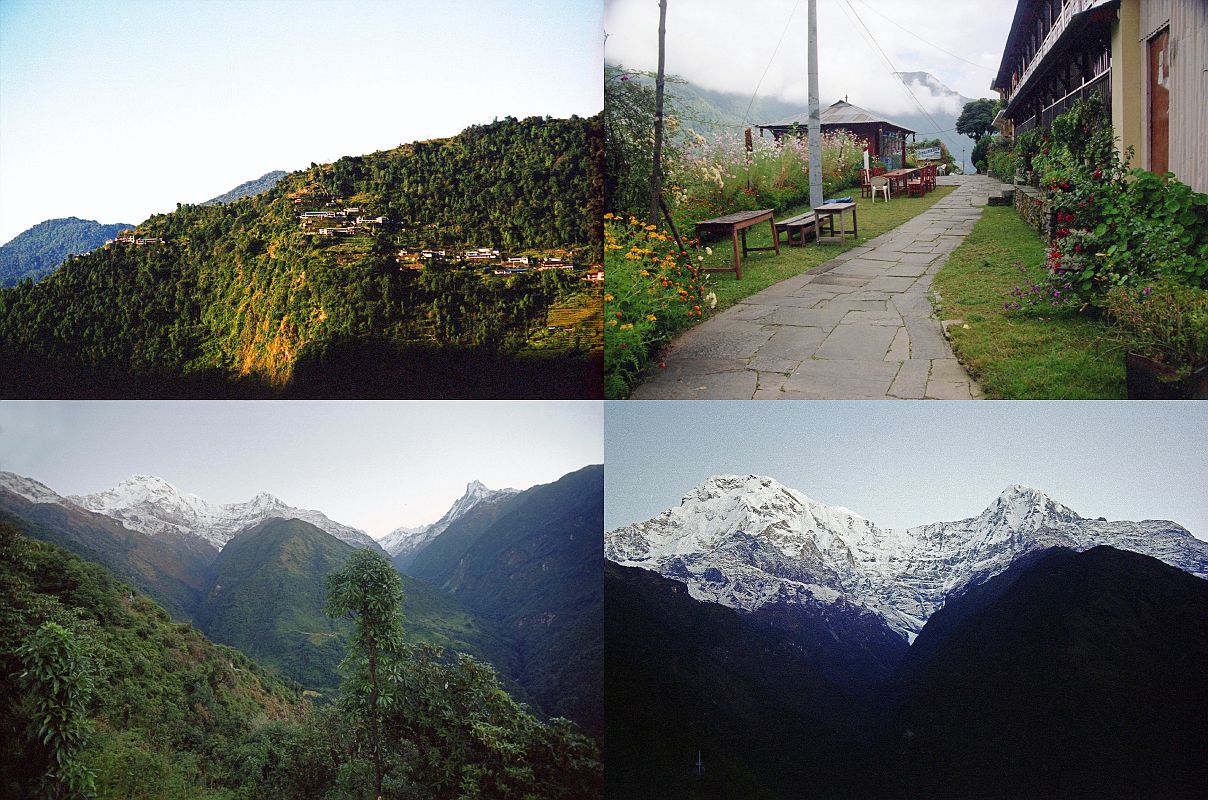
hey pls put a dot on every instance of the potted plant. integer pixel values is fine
(1166, 331)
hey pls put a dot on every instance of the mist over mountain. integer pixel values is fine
(712, 112)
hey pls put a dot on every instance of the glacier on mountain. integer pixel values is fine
(745, 541)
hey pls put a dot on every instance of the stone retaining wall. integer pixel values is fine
(1034, 208)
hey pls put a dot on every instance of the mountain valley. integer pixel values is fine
(517, 593)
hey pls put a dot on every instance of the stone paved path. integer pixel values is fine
(859, 326)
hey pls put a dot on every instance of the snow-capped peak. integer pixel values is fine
(748, 540)
(153, 506)
(29, 488)
(407, 542)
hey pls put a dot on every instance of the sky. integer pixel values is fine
(373, 465)
(728, 46)
(116, 109)
(902, 464)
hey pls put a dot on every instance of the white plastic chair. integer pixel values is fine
(880, 184)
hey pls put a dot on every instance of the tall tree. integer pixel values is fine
(369, 591)
(977, 118)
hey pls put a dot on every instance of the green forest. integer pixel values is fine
(102, 695)
(240, 300)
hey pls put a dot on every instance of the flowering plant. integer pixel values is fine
(651, 290)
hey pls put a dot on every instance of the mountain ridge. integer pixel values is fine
(746, 541)
(153, 506)
(42, 248)
(404, 544)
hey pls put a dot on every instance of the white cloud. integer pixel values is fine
(727, 46)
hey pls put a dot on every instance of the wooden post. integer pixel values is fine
(656, 170)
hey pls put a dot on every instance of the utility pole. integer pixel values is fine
(815, 126)
(656, 170)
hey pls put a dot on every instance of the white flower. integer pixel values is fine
(709, 250)
(711, 299)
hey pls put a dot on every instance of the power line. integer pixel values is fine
(770, 60)
(926, 41)
(892, 68)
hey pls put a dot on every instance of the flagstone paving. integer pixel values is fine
(859, 326)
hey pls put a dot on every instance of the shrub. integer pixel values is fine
(652, 290)
(1166, 322)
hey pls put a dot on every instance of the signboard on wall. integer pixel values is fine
(927, 154)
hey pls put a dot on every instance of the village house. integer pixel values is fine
(1144, 59)
(519, 260)
(886, 140)
(594, 276)
(432, 253)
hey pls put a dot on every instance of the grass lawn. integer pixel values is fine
(1021, 355)
(761, 270)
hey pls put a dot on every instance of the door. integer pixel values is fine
(1159, 102)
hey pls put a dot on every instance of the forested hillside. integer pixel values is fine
(39, 251)
(101, 692)
(249, 188)
(246, 299)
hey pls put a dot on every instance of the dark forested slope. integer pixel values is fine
(40, 250)
(246, 298)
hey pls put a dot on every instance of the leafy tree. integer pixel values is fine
(977, 119)
(59, 679)
(978, 156)
(370, 592)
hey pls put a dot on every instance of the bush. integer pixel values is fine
(651, 291)
(719, 176)
(1166, 322)
(1116, 226)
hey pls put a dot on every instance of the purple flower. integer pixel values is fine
(1146, 291)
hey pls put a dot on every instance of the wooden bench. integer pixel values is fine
(801, 224)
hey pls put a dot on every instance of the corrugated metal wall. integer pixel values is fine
(1188, 21)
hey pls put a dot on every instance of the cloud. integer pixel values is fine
(727, 46)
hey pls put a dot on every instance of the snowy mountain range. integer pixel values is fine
(405, 543)
(748, 541)
(153, 506)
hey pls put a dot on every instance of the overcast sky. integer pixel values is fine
(907, 463)
(116, 109)
(727, 46)
(372, 465)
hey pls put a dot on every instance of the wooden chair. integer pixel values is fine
(865, 184)
(929, 177)
(916, 186)
(880, 184)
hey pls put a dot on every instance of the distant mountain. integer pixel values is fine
(530, 564)
(403, 544)
(266, 596)
(712, 112)
(172, 568)
(1071, 675)
(153, 506)
(749, 542)
(249, 189)
(39, 251)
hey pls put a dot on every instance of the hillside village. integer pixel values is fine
(335, 220)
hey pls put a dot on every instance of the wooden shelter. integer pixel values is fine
(886, 140)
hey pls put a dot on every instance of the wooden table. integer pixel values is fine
(736, 225)
(898, 178)
(799, 224)
(826, 221)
